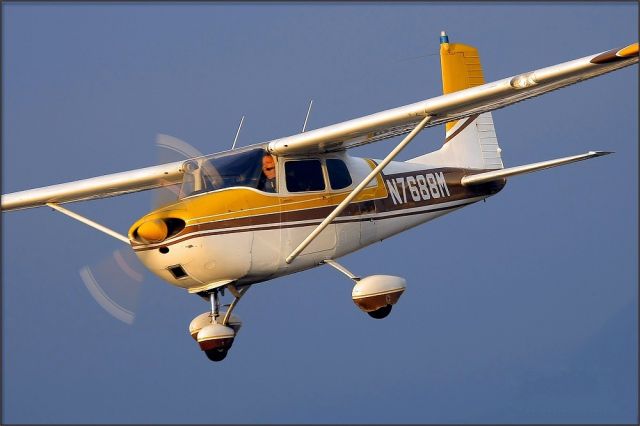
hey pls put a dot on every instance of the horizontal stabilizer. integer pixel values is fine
(528, 168)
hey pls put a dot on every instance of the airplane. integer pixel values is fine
(249, 215)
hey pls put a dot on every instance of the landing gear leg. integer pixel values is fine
(216, 354)
(342, 269)
(215, 305)
(237, 296)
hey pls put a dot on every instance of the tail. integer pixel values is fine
(470, 142)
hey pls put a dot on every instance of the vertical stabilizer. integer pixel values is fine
(460, 66)
(470, 142)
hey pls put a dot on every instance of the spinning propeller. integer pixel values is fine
(115, 282)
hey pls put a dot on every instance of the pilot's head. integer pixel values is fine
(268, 166)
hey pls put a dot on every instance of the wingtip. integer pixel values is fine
(601, 153)
(615, 55)
(629, 51)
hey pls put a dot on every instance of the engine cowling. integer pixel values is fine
(378, 291)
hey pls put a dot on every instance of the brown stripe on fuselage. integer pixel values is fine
(299, 225)
(286, 219)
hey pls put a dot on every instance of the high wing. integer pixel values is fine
(453, 106)
(348, 134)
(97, 187)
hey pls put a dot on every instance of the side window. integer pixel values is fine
(304, 175)
(339, 176)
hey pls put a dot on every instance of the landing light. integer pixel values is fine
(524, 80)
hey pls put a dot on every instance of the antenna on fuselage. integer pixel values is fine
(237, 133)
(304, 126)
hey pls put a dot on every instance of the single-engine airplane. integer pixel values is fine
(250, 215)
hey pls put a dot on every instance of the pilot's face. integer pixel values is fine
(269, 167)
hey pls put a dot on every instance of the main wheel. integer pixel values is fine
(380, 312)
(216, 354)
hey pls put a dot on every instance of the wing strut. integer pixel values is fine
(340, 207)
(89, 222)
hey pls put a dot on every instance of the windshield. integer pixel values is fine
(224, 170)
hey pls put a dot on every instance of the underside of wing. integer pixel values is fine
(453, 106)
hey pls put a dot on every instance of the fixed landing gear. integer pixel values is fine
(380, 312)
(215, 331)
(375, 294)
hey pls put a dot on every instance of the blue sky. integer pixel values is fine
(520, 309)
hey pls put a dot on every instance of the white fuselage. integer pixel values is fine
(251, 248)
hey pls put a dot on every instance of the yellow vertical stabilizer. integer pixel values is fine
(461, 68)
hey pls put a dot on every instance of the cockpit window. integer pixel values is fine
(304, 175)
(224, 170)
(339, 176)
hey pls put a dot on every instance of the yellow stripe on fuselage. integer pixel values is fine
(239, 202)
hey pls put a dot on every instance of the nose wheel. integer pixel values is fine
(215, 331)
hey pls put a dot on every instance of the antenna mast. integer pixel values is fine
(237, 133)
(304, 126)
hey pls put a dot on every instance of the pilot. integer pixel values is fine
(268, 180)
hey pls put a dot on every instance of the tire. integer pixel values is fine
(380, 312)
(216, 355)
